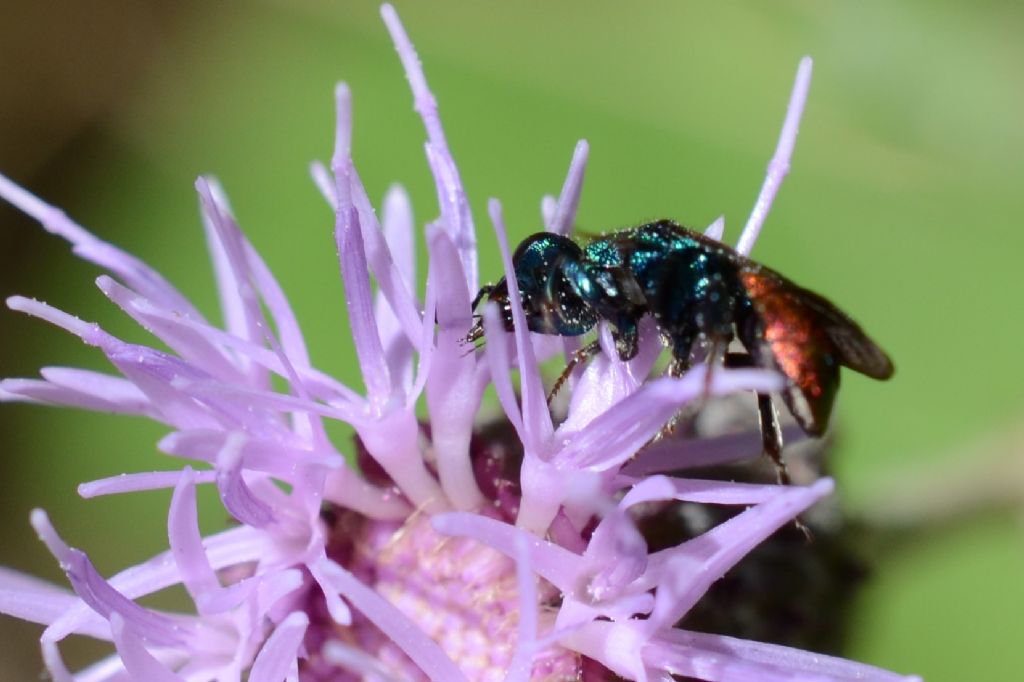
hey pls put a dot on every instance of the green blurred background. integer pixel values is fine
(904, 206)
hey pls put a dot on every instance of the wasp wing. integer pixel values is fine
(808, 339)
(856, 350)
(853, 347)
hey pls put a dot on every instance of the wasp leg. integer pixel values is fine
(738, 361)
(715, 352)
(581, 355)
(771, 436)
(771, 431)
(771, 444)
(627, 340)
(677, 367)
(485, 290)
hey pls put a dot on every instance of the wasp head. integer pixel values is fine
(551, 303)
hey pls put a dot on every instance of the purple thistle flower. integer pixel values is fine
(434, 559)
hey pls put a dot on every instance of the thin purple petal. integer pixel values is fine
(615, 556)
(716, 229)
(606, 380)
(244, 304)
(659, 488)
(423, 651)
(688, 570)
(138, 662)
(268, 400)
(138, 275)
(452, 391)
(113, 389)
(278, 657)
(526, 640)
(268, 456)
(132, 483)
(360, 310)
(350, 195)
(37, 601)
(55, 666)
(100, 595)
(497, 353)
(237, 496)
(393, 286)
(228, 548)
(347, 489)
(232, 303)
(400, 232)
(186, 543)
(617, 434)
(673, 454)
(356, 660)
(190, 346)
(716, 657)
(536, 418)
(45, 392)
(555, 564)
(398, 235)
(778, 167)
(393, 440)
(336, 606)
(569, 200)
(451, 196)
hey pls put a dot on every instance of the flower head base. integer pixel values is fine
(454, 552)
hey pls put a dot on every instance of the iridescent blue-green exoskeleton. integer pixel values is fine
(698, 291)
